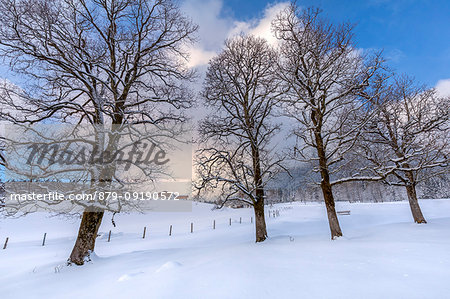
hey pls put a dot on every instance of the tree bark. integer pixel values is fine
(87, 234)
(333, 221)
(414, 204)
(260, 221)
(412, 196)
(325, 185)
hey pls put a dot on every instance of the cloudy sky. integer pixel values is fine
(414, 34)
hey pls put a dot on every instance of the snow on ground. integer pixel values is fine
(382, 255)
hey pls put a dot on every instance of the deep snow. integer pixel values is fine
(382, 255)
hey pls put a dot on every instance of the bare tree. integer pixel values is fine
(408, 137)
(327, 78)
(97, 62)
(236, 157)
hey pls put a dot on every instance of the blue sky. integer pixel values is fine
(414, 34)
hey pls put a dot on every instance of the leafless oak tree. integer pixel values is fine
(235, 155)
(98, 62)
(326, 77)
(408, 137)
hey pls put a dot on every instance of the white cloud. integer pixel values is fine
(262, 27)
(215, 26)
(395, 55)
(443, 87)
(199, 57)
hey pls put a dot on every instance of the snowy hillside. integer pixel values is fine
(383, 254)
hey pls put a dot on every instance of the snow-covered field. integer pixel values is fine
(382, 255)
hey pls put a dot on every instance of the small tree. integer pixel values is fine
(408, 137)
(326, 78)
(242, 89)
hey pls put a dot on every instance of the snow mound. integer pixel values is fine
(169, 266)
(126, 277)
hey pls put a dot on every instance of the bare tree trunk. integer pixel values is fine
(90, 223)
(333, 221)
(260, 221)
(412, 196)
(414, 204)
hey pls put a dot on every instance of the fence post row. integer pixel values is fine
(275, 213)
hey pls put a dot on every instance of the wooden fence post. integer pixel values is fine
(170, 230)
(6, 243)
(43, 241)
(240, 219)
(230, 221)
(109, 236)
(192, 227)
(143, 235)
(214, 224)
